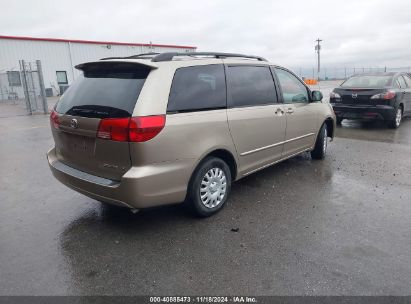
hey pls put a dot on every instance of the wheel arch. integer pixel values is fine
(223, 154)
(226, 156)
(401, 105)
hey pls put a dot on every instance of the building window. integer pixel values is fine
(62, 77)
(14, 78)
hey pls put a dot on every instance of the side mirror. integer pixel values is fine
(316, 96)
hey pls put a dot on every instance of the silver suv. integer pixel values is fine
(156, 129)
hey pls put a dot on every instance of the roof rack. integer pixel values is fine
(138, 56)
(170, 55)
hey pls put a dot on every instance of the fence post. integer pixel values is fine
(42, 88)
(25, 88)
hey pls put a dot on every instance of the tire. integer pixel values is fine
(396, 121)
(209, 187)
(339, 120)
(320, 148)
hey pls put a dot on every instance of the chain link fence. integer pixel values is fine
(340, 73)
(10, 87)
(24, 89)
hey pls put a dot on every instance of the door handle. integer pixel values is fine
(290, 111)
(279, 111)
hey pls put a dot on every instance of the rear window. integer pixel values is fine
(402, 82)
(368, 81)
(104, 92)
(197, 88)
(408, 81)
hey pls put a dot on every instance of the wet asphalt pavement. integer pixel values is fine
(335, 227)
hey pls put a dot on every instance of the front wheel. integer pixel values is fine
(209, 187)
(320, 147)
(396, 121)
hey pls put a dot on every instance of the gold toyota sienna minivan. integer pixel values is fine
(157, 129)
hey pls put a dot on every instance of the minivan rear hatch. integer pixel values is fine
(106, 90)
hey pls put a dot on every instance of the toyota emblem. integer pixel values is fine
(74, 123)
(354, 95)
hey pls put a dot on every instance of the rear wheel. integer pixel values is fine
(320, 147)
(396, 121)
(209, 187)
(339, 120)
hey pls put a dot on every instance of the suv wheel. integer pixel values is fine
(396, 121)
(209, 187)
(320, 147)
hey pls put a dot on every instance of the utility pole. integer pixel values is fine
(317, 49)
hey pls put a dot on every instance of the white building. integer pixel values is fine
(59, 56)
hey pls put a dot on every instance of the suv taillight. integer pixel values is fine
(54, 119)
(134, 129)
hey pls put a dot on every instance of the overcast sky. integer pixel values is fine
(358, 33)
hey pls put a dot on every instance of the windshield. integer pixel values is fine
(367, 81)
(103, 94)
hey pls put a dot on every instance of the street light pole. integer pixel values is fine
(317, 49)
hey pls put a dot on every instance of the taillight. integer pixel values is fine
(387, 95)
(114, 129)
(54, 119)
(144, 128)
(134, 129)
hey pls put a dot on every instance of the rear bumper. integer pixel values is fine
(379, 112)
(140, 187)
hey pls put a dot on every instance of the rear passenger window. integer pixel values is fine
(250, 86)
(198, 88)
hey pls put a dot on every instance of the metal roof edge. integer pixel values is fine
(93, 42)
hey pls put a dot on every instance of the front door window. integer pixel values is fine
(294, 91)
